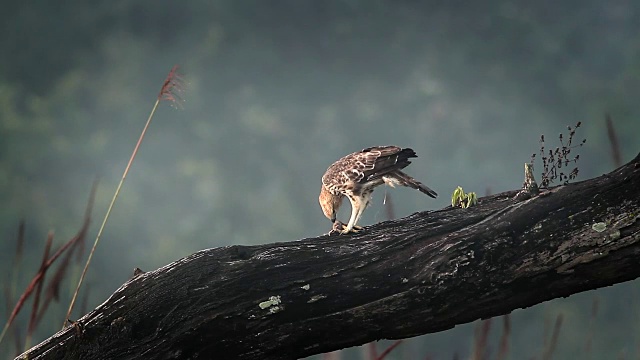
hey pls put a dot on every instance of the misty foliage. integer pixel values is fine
(279, 90)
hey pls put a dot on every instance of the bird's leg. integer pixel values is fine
(362, 203)
(356, 228)
(356, 211)
(352, 220)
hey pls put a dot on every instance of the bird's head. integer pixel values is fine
(329, 203)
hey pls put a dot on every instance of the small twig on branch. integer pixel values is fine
(554, 160)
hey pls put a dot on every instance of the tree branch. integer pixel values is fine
(421, 274)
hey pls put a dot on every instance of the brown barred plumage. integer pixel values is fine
(356, 175)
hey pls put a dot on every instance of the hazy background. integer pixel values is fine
(277, 90)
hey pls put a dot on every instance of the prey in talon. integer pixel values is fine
(356, 175)
(338, 227)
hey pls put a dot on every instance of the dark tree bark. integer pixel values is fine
(421, 274)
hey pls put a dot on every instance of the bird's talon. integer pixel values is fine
(341, 228)
(355, 229)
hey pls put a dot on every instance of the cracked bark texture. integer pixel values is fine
(421, 274)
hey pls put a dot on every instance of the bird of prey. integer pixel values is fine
(356, 175)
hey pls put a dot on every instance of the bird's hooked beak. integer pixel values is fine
(336, 201)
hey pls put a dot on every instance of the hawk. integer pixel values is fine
(356, 175)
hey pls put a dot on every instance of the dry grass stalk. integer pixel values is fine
(389, 350)
(36, 298)
(504, 339)
(592, 322)
(481, 339)
(38, 279)
(170, 91)
(613, 140)
(548, 352)
(373, 351)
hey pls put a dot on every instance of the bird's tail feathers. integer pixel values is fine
(406, 180)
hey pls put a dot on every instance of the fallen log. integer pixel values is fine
(421, 274)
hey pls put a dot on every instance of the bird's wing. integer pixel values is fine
(366, 165)
(377, 161)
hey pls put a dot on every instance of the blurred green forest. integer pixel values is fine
(276, 91)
